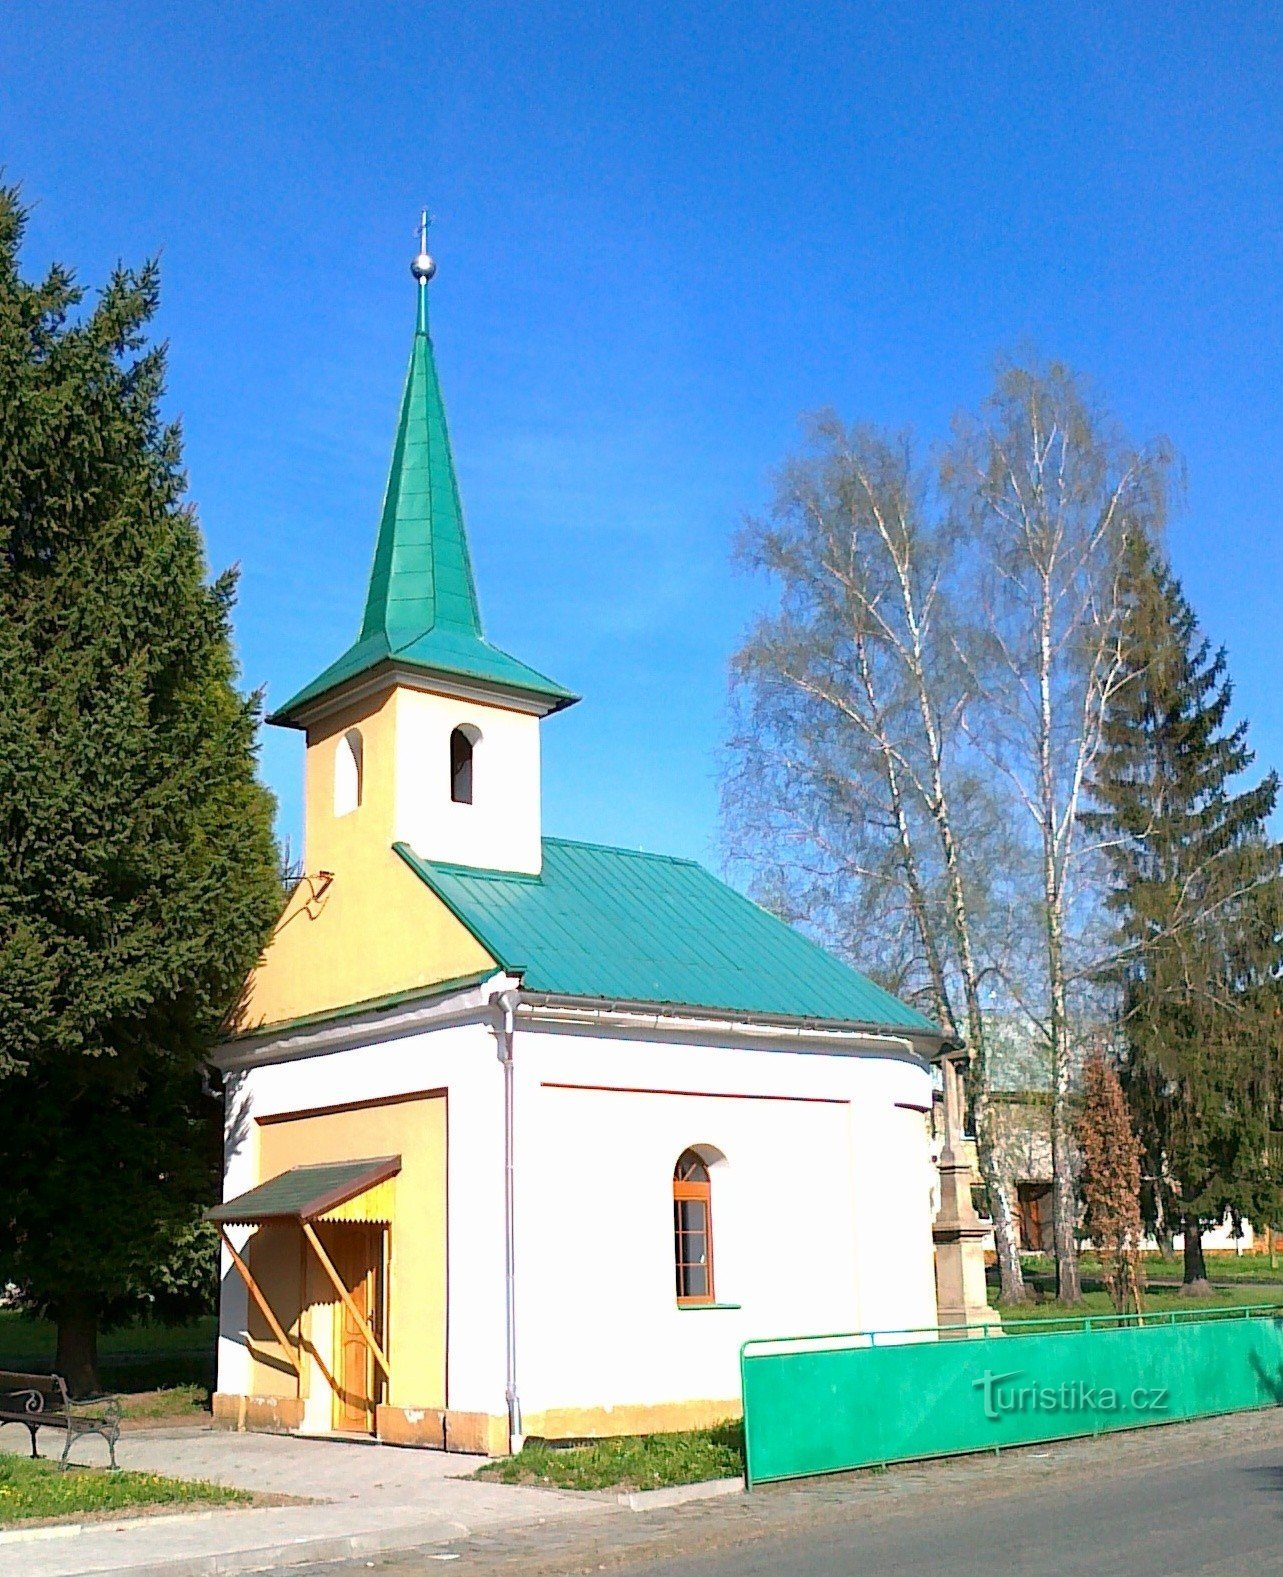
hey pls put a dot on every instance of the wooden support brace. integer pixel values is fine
(361, 1323)
(265, 1308)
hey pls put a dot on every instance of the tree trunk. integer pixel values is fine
(1064, 1209)
(1011, 1276)
(937, 804)
(1195, 1284)
(1064, 1201)
(77, 1359)
(1164, 1232)
(1064, 1196)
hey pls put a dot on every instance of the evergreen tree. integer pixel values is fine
(138, 874)
(1198, 895)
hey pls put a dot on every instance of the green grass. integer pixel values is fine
(1155, 1301)
(38, 1490)
(20, 1334)
(630, 1462)
(135, 1358)
(1220, 1267)
(173, 1404)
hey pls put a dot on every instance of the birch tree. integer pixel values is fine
(852, 787)
(1053, 497)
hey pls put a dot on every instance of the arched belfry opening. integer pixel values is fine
(463, 745)
(349, 772)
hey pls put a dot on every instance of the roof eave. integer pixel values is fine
(925, 1038)
(310, 706)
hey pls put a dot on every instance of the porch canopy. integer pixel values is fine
(326, 1191)
(330, 1190)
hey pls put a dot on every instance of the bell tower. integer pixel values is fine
(423, 732)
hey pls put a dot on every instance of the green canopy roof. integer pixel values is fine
(305, 1192)
(421, 609)
(613, 925)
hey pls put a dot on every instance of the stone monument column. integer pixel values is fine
(959, 1233)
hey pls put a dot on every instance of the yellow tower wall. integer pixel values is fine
(373, 930)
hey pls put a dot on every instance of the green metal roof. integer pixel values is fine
(305, 1192)
(616, 925)
(421, 609)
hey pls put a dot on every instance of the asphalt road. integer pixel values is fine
(1224, 1515)
(1172, 1501)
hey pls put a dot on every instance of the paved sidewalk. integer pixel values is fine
(366, 1499)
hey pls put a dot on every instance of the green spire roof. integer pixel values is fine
(421, 609)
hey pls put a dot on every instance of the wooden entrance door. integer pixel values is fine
(357, 1253)
(1033, 1201)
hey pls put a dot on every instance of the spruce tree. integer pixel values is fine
(1198, 897)
(138, 870)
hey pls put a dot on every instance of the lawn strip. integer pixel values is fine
(173, 1405)
(628, 1462)
(39, 1491)
(1155, 1302)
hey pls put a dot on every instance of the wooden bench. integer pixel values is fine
(40, 1401)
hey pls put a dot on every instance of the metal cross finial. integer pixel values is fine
(424, 266)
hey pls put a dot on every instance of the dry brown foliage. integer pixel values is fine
(1111, 1181)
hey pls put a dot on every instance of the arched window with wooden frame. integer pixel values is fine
(462, 744)
(693, 1229)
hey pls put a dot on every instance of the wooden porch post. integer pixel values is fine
(265, 1308)
(361, 1323)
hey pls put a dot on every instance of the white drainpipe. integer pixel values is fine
(506, 1002)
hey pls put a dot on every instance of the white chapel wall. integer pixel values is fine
(821, 1212)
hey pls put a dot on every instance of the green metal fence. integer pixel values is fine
(823, 1404)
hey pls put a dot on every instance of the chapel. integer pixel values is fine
(526, 1135)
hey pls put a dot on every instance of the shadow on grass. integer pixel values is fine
(136, 1358)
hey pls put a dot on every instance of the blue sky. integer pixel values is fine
(663, 232)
